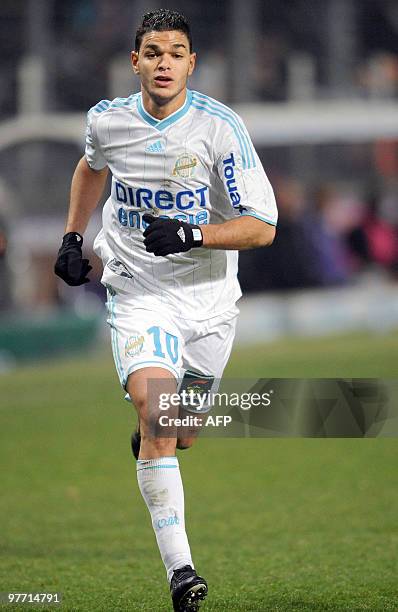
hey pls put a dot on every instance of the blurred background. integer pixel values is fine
(316, 82)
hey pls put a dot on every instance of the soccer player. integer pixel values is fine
(188, 192)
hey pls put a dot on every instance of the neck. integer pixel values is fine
(161, 109)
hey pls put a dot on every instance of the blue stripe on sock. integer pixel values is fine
(156, 467)
(158, 459)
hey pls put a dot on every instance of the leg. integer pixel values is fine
(143, 339)
(207, 354)
(183, 441)
(137, 386)
(158, 472)
(187, 435)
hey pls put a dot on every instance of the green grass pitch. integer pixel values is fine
(274, 524)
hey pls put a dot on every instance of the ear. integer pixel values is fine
(192, 62)
(134, 62)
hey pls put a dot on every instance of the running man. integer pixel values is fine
(188, 192)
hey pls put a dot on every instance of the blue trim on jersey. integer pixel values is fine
(220, 110)
(146, 116)
(104, 105)
(257, 216)
(101, 106)
(217, 114)
(120, 102)
(164, 123)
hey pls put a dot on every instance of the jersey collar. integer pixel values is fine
(161, 124)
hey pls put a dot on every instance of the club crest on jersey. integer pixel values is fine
(134, 345)
(185, 166)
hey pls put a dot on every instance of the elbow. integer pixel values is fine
(267, 236)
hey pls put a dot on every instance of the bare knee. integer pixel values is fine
(146, 399)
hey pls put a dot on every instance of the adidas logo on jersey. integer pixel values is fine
(156, 147)
(181, 234)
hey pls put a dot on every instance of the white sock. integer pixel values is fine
(161, 487)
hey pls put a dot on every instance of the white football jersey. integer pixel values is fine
(198, 165)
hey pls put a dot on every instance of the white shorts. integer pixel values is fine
(153, 338)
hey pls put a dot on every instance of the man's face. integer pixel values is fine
(163, 64)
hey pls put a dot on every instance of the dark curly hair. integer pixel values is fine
(162, 20)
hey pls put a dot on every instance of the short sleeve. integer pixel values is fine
(93, 153)
(240, 169)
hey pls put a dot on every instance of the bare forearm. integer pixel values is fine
(238, 234)
(86, 191)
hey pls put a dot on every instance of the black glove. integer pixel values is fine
(166, 236)
(70, 266)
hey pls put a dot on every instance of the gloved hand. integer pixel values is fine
(70, 266)
(166, 236)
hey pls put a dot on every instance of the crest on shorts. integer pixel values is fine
(197, 387)
(134, 345)
(195, 384)
(185, 165)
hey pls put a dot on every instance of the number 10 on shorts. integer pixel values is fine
(163, 341)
